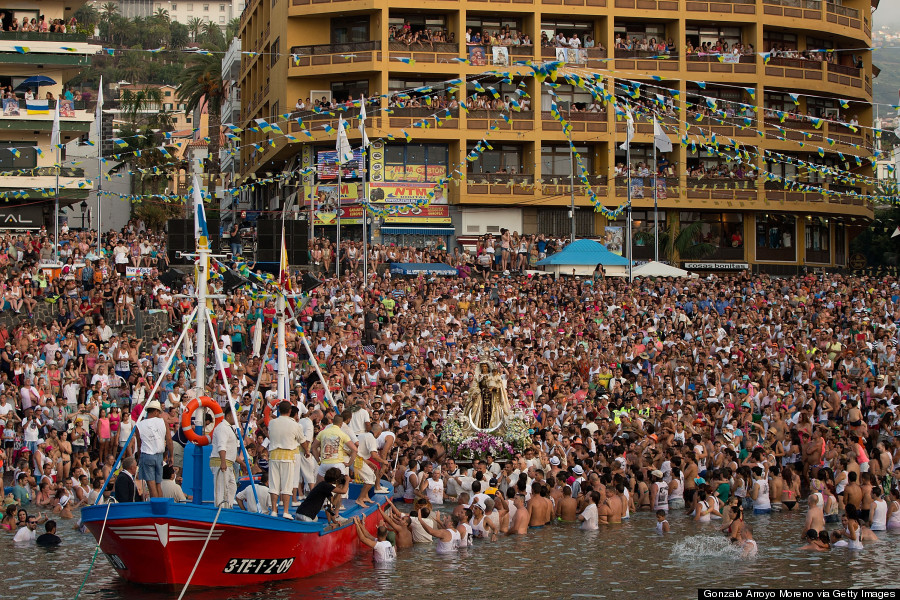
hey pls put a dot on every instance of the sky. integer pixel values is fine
(888, 13)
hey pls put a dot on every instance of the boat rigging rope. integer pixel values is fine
(200, 556)
(96, 550)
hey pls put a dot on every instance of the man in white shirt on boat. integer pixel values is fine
(247, 500)
(221, 461)
(285, 439)
(154, 440)
(367, 463)
(308, 464)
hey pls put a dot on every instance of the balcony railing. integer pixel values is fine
(844, 69)
(642, 54)
(443, 47)
(742, 58)
(845, 11)
(420, 112)
(335, 48)
(35, 36)
(807, 4)
(795, 63)
(51, 171)
(500, 179)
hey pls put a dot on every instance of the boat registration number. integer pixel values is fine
(258, 566)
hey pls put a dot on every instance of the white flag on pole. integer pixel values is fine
(662, 141)
(344, 153)
(54, 133)
(629, 130)
(362, 122)
(98, 114)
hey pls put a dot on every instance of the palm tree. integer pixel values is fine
(87, 15)
(232, 29)
(195, 24)
(108, 11)
(211, 37)
(132, 66)
(161, 15)
(685, 245)
(201, 85)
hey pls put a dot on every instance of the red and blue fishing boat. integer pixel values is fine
(161, 542)
(157, 542)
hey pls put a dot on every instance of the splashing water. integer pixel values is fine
(701, 547)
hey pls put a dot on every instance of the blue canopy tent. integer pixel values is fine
(423, 269)
(581, 257)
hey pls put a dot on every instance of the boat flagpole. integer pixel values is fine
(364, 141)
(661, 142)
(201, 235)
(98, 118)
(256, 385)
(629, 133)
(55, 142)
(344, 155)
(280, 313)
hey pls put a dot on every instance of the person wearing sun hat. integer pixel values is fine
(154, 441)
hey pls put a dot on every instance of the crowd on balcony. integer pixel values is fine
(652, 45)
(561, 41)
(815, 55)
(420, 37)
(37, 24)
(433, 102)
(488, 102)
(721, 171)
(719, 47)
(503, 37)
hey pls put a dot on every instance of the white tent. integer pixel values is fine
(658, 269)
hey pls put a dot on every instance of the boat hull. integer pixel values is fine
(157, 543)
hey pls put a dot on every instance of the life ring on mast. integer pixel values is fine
(188, 414)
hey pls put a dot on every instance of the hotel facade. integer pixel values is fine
(788, 82)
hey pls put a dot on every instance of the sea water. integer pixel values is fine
(558, 561)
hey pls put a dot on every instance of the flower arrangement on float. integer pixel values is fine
(461, 443)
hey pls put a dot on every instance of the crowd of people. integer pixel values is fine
(37, 24)
(723, 397)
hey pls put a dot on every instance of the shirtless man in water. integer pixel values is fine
(616, 506)
(815, 517)
(540, 509)
(567, 508)
(519, 525)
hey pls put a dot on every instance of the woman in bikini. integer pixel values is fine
(791, 490)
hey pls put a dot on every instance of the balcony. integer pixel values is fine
(642, 187)
(518, 121)
(405, 117)
(796, 130)
(590, 122)
(592, 3)
(710, 63)
(506, 1)
(844, 75)
(589, 57)
(335, 54)
(796, 68)
(793, 9)
(648, 4)
(644, 59)
(35, 36)
(561, 185)
(842, 15)
(719, 188)
(737, 7)
(424, 52)
(500, 184)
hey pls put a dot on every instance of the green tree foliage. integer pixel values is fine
(686, 244)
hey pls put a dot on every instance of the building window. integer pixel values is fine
(566, 95)
(493, 24)
(776, 237)
(349, 30)
(698, 35)
(168, 93)
(167, 106)
(27, 158)
(722, 230)
(221, 19)
(221, 8)
(341, 91)
(818, 240)
(415, 162)
(551, 28)
(779, 40)
(556, 161)
(190, 6)
(174, 7)
(504, 158)
(206, 8)
(276, 52)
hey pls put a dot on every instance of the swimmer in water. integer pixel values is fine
(749, 547)
(813, 542)
(662, 524)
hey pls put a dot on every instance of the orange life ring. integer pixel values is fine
(187, 415)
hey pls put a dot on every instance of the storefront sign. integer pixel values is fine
(414, 173)
(716, 266)
(326, 195)
(405, 193)
(424, 214)
(350, 215)
(21, 217)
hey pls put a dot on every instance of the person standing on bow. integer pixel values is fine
(285, 438)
